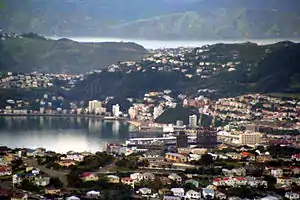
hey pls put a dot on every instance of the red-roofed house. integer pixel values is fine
(218, 182)
(296, 157)
(240, 181)
(5, 171)
(89, 176)
(67, 163)
(128, 181)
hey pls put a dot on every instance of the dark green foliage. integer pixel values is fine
(181, 113)
(172, 114)
(55, 182)
(123, 85)
(29, 186)
(282, 65)
(35, 53)
(95, 161)
(271, 181)
(131, 162)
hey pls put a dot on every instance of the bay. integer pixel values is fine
(61, 134)
(156, 44)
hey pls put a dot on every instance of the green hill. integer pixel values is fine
(29, 54)
(171, 115)
(269, 72)
(280, 72)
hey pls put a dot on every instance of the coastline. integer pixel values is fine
(66, 116)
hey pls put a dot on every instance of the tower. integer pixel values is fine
(193, 121)
(207, 138)
(181, 140)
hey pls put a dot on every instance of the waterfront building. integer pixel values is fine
(181, 140)
(94, 106)
(193, 121)
(132, 112)
(116, 110)
(158, 110)
(42, 110)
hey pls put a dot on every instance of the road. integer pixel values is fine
(62, 175)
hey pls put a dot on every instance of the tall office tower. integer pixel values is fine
(193, 121)
(182, 140)
(207, 138)
(116, 110)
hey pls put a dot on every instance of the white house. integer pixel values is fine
(178, 192)
(208, 191)
(171, 198)
(175, 177)
(136, 176)
(269, 197)
(192, 194)
(144, 191)
(73, 198)
(292, 195)
(93, 194)
(73, 156)
(148, 176)
(277, 172)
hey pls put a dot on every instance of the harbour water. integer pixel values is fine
(61, 134)
(156, 44)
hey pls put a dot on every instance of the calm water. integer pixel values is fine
(156, 44)
(61, 134)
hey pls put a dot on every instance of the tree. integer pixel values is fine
(16, 164)
(189, 186)
(206, 159)
(28, 185)
(55, 182)
(271, 181)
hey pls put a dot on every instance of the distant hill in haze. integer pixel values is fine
(155, 19)
(33, 53)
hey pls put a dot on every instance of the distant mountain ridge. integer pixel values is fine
(155, 19)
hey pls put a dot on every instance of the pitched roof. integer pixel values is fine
(86, 174)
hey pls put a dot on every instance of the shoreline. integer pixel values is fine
(66, 116)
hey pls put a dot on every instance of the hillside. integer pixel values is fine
(29, 54)
(156, 19)
(279, 72)
(264, 73)
(171, 115)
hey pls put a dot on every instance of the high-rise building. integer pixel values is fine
(250, 138)
(193, 121)
(94, 106)
(116, 110)
(182, 140)
(207, 138)
(158, 110)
